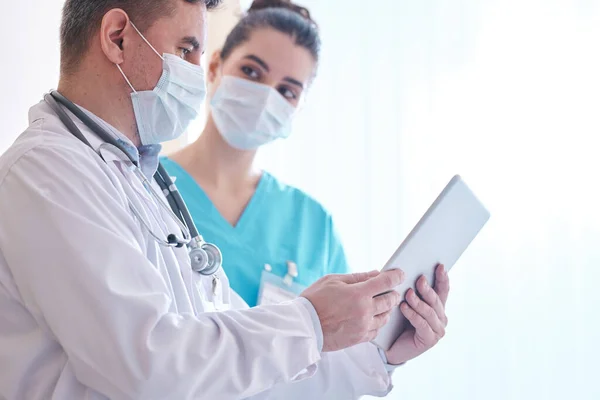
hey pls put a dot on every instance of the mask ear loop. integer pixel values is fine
(148, 43)
(146, 40)
(126, 80)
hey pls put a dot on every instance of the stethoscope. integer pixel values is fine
(206, 258)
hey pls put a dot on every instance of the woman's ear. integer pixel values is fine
(112, 34)
(214, 66)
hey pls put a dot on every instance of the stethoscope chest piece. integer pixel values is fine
(206, 258)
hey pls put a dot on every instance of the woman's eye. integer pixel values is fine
(250, 72)
(287, 93)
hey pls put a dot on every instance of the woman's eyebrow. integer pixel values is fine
(293, 81)
(258, 61)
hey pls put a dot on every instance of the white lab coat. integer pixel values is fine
(92, 307)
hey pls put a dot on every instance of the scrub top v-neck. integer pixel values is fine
(279, 224)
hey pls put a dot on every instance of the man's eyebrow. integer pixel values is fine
(192, 41)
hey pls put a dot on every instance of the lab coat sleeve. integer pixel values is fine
(347, 374)
(68, 239)
(343, 375)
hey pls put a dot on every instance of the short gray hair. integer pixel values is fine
(81, 19)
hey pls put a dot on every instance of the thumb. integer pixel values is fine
(358, 277)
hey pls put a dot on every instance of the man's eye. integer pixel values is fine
(184, 52)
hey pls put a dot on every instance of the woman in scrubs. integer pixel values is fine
(275, 239)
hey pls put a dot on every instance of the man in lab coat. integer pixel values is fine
(92, 306)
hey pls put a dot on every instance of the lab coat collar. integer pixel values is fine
(147, 156)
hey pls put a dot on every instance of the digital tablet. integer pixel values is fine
(440, 237)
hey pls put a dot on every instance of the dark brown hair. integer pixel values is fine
(81, 19)
(281, 15)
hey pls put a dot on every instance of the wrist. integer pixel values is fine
(315, 320)
(392, 359)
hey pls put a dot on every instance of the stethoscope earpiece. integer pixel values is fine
(173, 240)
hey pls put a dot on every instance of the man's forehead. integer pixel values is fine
(187, 21)
(190, 13)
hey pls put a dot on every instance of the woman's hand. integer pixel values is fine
(427, 317)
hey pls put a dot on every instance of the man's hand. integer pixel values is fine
(348, 309)
(427, 317)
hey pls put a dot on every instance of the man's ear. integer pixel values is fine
(115, 25)
(214, 65)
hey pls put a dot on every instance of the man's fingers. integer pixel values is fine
(426, 312)
(384, 282)
(358, 277)
(380, 320)
(442, 283)
(372, 335)
(386, 302)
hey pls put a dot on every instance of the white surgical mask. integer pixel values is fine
(165, 113)
(249, 114)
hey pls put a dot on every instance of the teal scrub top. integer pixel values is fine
(280, 224)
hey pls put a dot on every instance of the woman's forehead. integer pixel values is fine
(279, 52)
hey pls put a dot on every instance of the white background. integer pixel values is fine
(504, 92)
